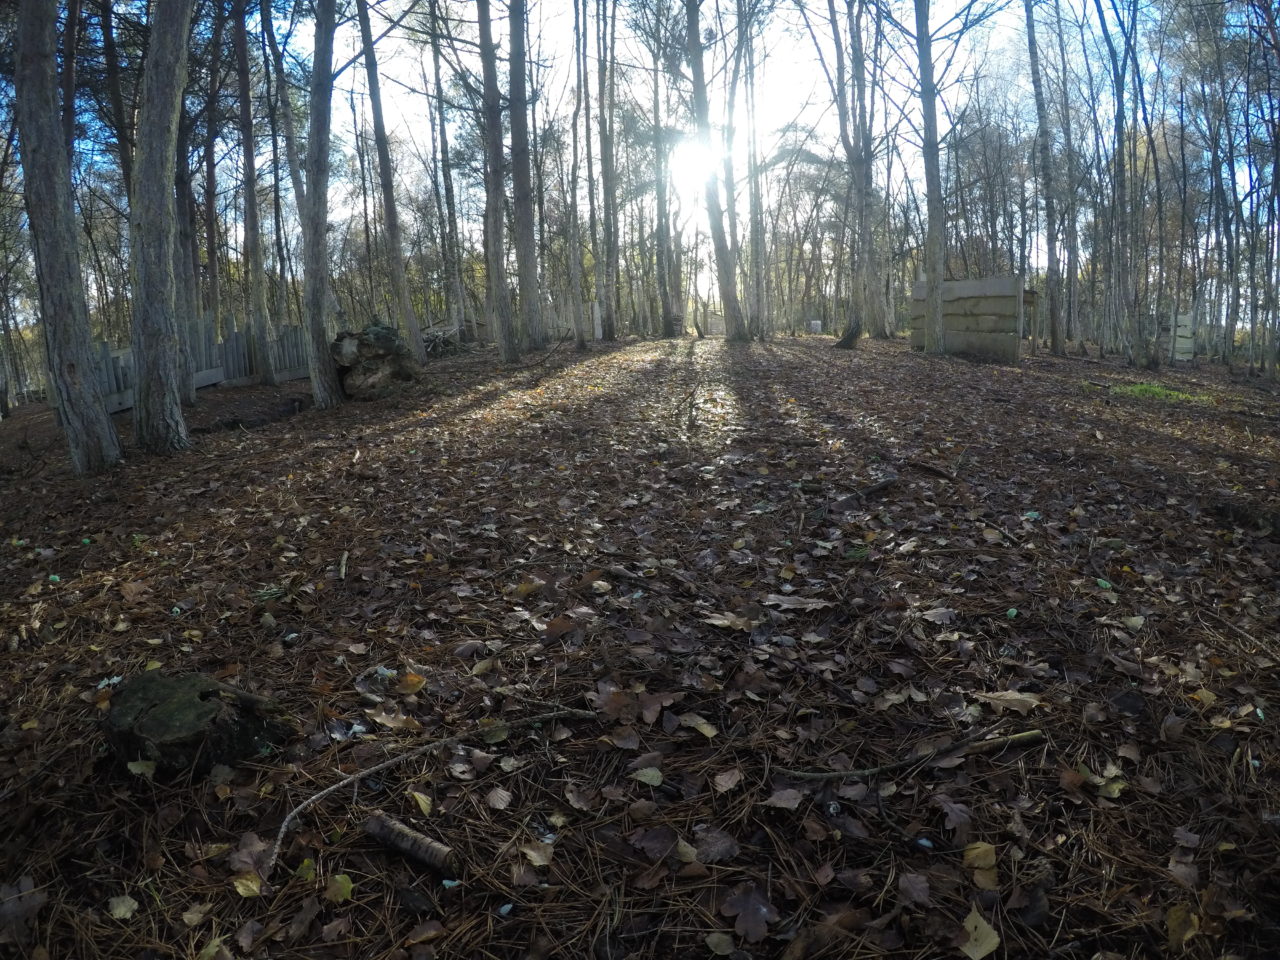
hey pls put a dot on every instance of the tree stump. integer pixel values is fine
(373, 362)
(190, 722)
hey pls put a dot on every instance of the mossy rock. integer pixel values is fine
(190, 722)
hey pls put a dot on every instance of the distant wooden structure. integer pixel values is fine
(229, 361)
(979, 317)
(1184, 342)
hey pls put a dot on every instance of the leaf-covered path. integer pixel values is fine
(803, 595)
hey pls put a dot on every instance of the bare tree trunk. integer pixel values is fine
(251, 257)
(213, 289)
(608, 168)
(186, 296)
(120, 118)
(1054, 279)
(159, 426)
(662, 252)
(70, 43)
(452, 246)
(386, 178)
(326, 390)
(571, 200)
(935, 238)
(495, 182)
(522, 184)
(726, 273)
(91, 436)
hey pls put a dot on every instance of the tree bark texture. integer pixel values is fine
(91, 436)
(326, 390)
(494, 181)
(1054, 278)
(251, 257)
(935, 236)
(522, 184)
(159, 426)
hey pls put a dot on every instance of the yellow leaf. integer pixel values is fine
(700, 724)
(986, 879)
(338, 888)
(142, 768)
(1181, 923)
(424, 802)
(979, 856)
(983, 939)
(650, 775)
(306, 871)
(539, 854)
(410, 683)
(247, 884)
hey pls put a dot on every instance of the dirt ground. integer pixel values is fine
(682, 649)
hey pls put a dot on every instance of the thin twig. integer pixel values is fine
(1244, 635)
(970, 744)
(418, 751)
(930, 468)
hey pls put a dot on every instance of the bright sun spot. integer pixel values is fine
(692, 165)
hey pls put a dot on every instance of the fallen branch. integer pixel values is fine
(972, 744)
(404, 839)
(418, 751)
(930, 468)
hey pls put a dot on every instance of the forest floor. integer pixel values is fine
(839, 655)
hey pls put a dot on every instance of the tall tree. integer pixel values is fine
(386, 180)
(326, 390)
(726, 270)
(91, 436)
(251, 258)
(1054, 278)
(606, 73)
(935, 239)
(159, 426)
(495, 183)
(522, 183)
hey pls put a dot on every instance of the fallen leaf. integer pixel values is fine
(247, 884)
(142, 768)
(498, 798)
(753, 911)
(698, 723)
(983, 939)
(334, 929)
(650, 775)
(942, 615)
(339, 888)
(539, 854)
(787, 799)
(410, 683)
(1181, 924)
(713, 844)
(914, 889)
(979, 856)
(726, 780)
(721, 944)
(122, 908)
(424, 802)
(1023, 703)
(656, 843)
